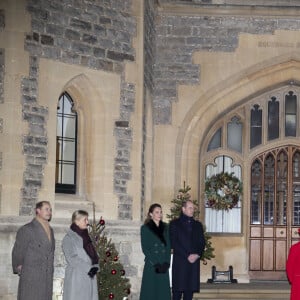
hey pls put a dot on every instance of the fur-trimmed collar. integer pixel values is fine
(158, 230)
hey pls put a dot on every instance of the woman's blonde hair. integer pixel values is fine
(78, 214)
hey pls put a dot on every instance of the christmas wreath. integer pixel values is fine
(223, 191)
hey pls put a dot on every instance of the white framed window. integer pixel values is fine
(221, 221)
(66, 146)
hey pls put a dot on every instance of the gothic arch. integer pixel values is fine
(88, 104)
(219, 100)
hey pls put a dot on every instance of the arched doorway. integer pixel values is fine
(274, 209)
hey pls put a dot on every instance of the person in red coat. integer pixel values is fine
(293, 270)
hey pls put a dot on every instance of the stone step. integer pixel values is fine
(240, 291)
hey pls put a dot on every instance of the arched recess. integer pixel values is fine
(89, 107)
(219, 100)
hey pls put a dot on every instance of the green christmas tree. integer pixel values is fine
(184, 195)
(112, 282)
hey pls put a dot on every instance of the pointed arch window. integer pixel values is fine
(290, 114)
(256, 126)
(229, 136)
(215, 141)
(235, 134)
(66, 146)
(273, 119)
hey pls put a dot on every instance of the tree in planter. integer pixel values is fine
(112, 283)
(184, 195)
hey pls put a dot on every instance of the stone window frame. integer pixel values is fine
(81, 91)
(64, 188)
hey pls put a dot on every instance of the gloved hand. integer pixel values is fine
(157, 268)
(164, 267)
(93, 271)
(161, 268)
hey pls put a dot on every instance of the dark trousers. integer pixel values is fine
(187, 295)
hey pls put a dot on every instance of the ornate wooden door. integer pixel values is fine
(275, 211)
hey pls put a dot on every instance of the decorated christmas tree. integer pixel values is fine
(184, 195)
(112, 282)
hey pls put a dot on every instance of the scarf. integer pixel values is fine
(157, 230)
(87, 243)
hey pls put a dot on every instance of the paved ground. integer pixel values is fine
(259, 285)
(260, 290)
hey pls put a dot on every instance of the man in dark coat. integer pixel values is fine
(188, 243)
(33, 256)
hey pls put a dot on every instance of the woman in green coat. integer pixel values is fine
(156, 248)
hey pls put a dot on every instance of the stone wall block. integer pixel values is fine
(81, 48)
(39, 110)
(38, 12)
(38, 26)
(121, 161)
(57, 17)
(54, 29)
(33, 49)
(40, 160)
(72, 34)
(33, 118)
(36, 168)
(37, 129)
(120, 183)
(124, 215)
(99, 52)
(125, 199)
(26, 210)
(119, 56)
(123, 144)
(47, 40)
(70, 57)
(31, 174)
(92, 7)
(162, 115)
(51, 52)
(32, 183)
(29, 193)
(28, 139)
(120, 190)
(28, 99)
(90, 39)
(30, 84)
(124, 153)
(104, 65)
(104, 20)
(128, 97)
(80, 24)
(127, 108)
(123, 133)
(100, 31)
(42, 141)
(35, 150)
(122, 175)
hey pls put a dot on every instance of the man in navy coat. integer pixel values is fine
(188, 243)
